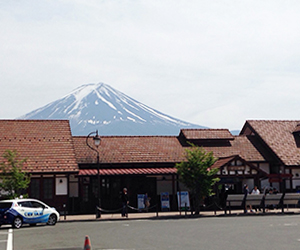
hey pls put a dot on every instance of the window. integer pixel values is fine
(25, 204)
(85, 197)
(48, 188)
(105, 186)
(36, 204)
(35, 188)
(5, 205)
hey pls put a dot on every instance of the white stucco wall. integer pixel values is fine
(61, 186)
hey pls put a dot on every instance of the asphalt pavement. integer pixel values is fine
(167, 230)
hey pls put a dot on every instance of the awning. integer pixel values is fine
(128, 171)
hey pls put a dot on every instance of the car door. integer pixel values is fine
(31, 212)
(39, 212)
(24, 209)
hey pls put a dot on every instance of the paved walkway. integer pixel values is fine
(170, 215)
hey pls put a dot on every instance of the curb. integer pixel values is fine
(83, 218)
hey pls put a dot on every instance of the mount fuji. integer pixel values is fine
(100, 107)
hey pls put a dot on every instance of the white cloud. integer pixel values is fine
(215, 63)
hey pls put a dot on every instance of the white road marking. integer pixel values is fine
(9, 245)
(290, 224)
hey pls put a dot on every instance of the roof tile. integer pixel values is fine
(278, 135)
(47, 144)
(156, 149)
(204, 134)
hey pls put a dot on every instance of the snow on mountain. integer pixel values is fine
(100, 107)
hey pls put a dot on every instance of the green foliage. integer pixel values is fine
(12, 179)
(195, 173)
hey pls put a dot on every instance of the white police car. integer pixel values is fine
(26, 211)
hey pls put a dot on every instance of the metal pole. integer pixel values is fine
(96, 138)
(99, 186)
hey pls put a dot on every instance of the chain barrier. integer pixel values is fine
(133, 208)
(109, 211)
(120, 209)
(146, 209)
(141, 209)
(218, 206)
(215, 204)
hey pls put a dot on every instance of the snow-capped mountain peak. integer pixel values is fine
(99, 106)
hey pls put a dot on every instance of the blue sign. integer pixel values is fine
(140, 198)
(165, 202)
(183, 199)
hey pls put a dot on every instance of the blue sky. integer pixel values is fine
(213, 63)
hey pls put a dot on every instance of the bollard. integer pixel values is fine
(156, 206)
(97, 213)
(65, 212)
(215, 207)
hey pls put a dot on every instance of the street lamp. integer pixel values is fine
(97, 141)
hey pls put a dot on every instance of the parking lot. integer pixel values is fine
(230, 232)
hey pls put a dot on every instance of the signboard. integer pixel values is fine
(236, 168)
(183, 199)
(164, 200)
(140, 199)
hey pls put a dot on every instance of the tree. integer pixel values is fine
(12, 179)
(195, 173)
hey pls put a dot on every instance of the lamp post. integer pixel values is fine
(97, 140)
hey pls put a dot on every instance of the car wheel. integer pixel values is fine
(17, 223)
(52, 220)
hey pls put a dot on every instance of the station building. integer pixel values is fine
(67, 174)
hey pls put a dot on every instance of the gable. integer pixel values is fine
(279, 136)
(237, 166)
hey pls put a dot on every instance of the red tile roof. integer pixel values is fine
(130, 149)
(223, 161)
(47, 144)
(278, 135)
(239, 146)
(203, 134)
(156, 149)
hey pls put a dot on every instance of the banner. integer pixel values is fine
(183, 199)
(140, 199)
(164, 200)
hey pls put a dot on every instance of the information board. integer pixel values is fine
(183, 199)
(164, 200)
(140, 199)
